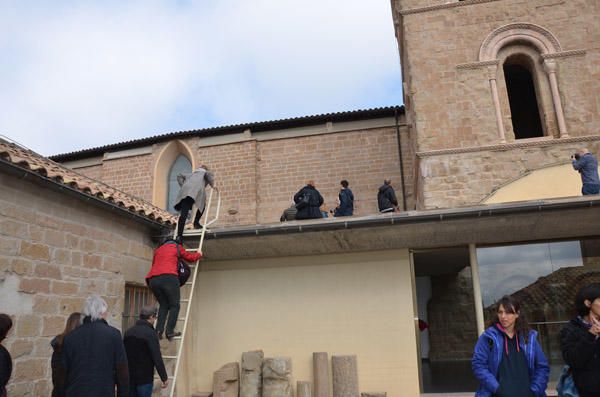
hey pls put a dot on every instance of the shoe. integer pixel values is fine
(197, 226)
(173, 334)
(160, 335)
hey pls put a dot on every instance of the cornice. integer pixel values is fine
(477, 65)
(511, 145)
(564, 54)
(444, 6)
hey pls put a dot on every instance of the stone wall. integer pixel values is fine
(466, 178)
(258, 177)
(56, 250)
(453, 106)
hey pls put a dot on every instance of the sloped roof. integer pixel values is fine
(28, 160)
(293, 122)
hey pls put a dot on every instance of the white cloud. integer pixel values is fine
(81, 76)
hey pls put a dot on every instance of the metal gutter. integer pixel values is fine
(399, 219)
(23, 173)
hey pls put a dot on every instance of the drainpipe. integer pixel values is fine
(400, 157)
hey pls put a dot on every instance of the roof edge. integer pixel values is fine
(352, 115)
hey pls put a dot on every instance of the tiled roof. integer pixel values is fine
(292, 122)
(20, 157)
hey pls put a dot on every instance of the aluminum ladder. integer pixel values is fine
(190, 287)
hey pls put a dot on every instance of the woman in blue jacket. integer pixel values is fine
(508, 360)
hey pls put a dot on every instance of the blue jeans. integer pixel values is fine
(140, 390)
(590, 188)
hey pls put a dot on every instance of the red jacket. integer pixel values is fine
(165, 259)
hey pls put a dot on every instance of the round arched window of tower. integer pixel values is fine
(523, 96)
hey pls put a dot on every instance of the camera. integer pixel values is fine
(575, 156)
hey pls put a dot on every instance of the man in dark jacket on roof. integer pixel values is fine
(143, 355)
(386, 197)
(308, 200)
(94, 359)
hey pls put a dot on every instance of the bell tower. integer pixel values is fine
(496, 88)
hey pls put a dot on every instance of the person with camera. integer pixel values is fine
(587, 165)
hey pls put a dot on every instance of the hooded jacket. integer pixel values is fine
(488, 354)
(315, 200)
(581, 351)
(386, 197)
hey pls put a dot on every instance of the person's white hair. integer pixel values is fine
(94, 307)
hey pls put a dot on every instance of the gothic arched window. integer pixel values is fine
(181, 165)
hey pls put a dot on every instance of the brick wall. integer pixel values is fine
(130, 174)
(54, 252)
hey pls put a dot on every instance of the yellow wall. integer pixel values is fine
(549, 182)
(341, 304)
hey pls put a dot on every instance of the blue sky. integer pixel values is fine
(81, 74)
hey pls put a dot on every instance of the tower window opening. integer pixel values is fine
(522, 97)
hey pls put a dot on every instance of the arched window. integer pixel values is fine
(181, 165)
(522, 97)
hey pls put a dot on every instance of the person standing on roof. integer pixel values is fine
(192, 191)
(386, 197)
(163, 280)
(587, 165)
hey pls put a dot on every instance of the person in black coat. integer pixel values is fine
(308, 200)
(94, 358)
(143, 354)
(386, 197)
(5, 358)
(73, 322)
(346, 201)
(580, 342)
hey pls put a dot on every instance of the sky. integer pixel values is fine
(81, 74)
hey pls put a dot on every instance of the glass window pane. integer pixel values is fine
(544, 277)
(181, 166)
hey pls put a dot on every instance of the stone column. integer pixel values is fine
(550, 68)
(251, 376)
(277, 373)
(492, 73)
(345, 376)
(321, 374)
(226, 381)
(303, 389)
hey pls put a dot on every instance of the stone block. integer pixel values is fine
(65, 288)
(321, 374)
(53, 325)
(30, 370)
(345, 376)
(39, 252)
(202, 394)
(373, 394)
(251, 374)
(303, 389)
(277, 373)
(20, 347)
(34, 285)
(226, 381)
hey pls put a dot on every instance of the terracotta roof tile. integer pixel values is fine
(29, 160)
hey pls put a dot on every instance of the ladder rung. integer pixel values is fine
(181, 319)
(169, 357)
(184, 300)
(158, 377)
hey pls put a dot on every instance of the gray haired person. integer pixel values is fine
(94, 358)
